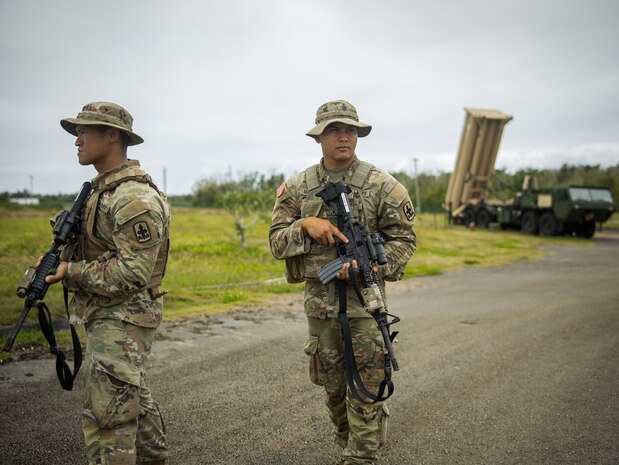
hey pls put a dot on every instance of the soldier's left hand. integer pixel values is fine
(61, 272)
(345, 273)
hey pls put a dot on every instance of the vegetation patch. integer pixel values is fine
(209, 271)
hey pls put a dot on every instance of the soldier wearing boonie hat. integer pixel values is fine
(103, 114)
(338, 111)
(302, 234)
(114, 268)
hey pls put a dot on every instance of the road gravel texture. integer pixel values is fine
(513, 365)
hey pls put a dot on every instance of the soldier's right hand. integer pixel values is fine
(322, 231)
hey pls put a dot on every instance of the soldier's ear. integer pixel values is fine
(113, 134)
(317, 139)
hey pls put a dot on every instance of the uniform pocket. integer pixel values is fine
(295, 269)
(370, 355)
(315, 366)
(113, 402)
(383, 423)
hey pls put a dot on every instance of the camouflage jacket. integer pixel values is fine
(378, 201)
(118, 260)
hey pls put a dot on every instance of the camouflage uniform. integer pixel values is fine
(115, 267)
(382, 204)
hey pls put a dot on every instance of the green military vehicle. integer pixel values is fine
(571, 210)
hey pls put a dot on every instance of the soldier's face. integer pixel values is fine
(338, 142)
(92, 145)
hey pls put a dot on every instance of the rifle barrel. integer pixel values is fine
(9, 342)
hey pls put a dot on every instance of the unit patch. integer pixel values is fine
(408, 211)
(142, 233)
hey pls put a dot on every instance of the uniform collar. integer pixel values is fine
(100, 180)
(323, 173)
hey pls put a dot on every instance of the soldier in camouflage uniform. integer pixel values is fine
(302, 233)
(115, 267)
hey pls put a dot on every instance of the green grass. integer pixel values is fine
(612, 223)
(208, 271)
(442, 247)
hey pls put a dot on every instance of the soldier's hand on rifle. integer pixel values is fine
(345, 274)
(322, 231)
(61, 271)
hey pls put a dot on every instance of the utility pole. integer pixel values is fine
(31, 186)
(417, 197)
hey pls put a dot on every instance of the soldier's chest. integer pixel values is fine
(362, 203)
(97, 222)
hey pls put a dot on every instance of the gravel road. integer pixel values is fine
(515, 365)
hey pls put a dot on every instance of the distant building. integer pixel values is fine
(25, 200)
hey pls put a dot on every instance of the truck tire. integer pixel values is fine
(483, 218)
(588, 229)
(548, 224)
(530, 222)
(469, 217)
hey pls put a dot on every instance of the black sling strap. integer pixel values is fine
(353, 378)
(65, 376)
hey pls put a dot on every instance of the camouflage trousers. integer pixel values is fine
(360, 429)
(122, 424)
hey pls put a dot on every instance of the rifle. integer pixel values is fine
(367, 250)
(33, 288)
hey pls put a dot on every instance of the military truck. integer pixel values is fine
(573, 210)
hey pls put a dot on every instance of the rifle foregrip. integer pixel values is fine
(38, 288)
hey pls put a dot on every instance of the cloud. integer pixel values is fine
(220, 86)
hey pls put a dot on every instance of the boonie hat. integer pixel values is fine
(103, 114)
(338, 111)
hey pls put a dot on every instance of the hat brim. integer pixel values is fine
(363, 129)
(70, 125)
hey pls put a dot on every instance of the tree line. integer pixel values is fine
(250, 198)
(257, 190)
(432, 188)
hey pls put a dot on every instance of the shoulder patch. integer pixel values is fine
(281, 189)
(142, 232)
(408, 210)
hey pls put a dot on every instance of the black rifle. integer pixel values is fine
(33, 288)
(367, 250)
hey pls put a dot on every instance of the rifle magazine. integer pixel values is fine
(328, 272)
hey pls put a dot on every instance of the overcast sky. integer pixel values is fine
(232, 86)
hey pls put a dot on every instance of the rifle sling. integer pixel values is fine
(65, 376)
(353, 378)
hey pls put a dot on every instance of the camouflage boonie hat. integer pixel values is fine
(103, 114)
(338, 111)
